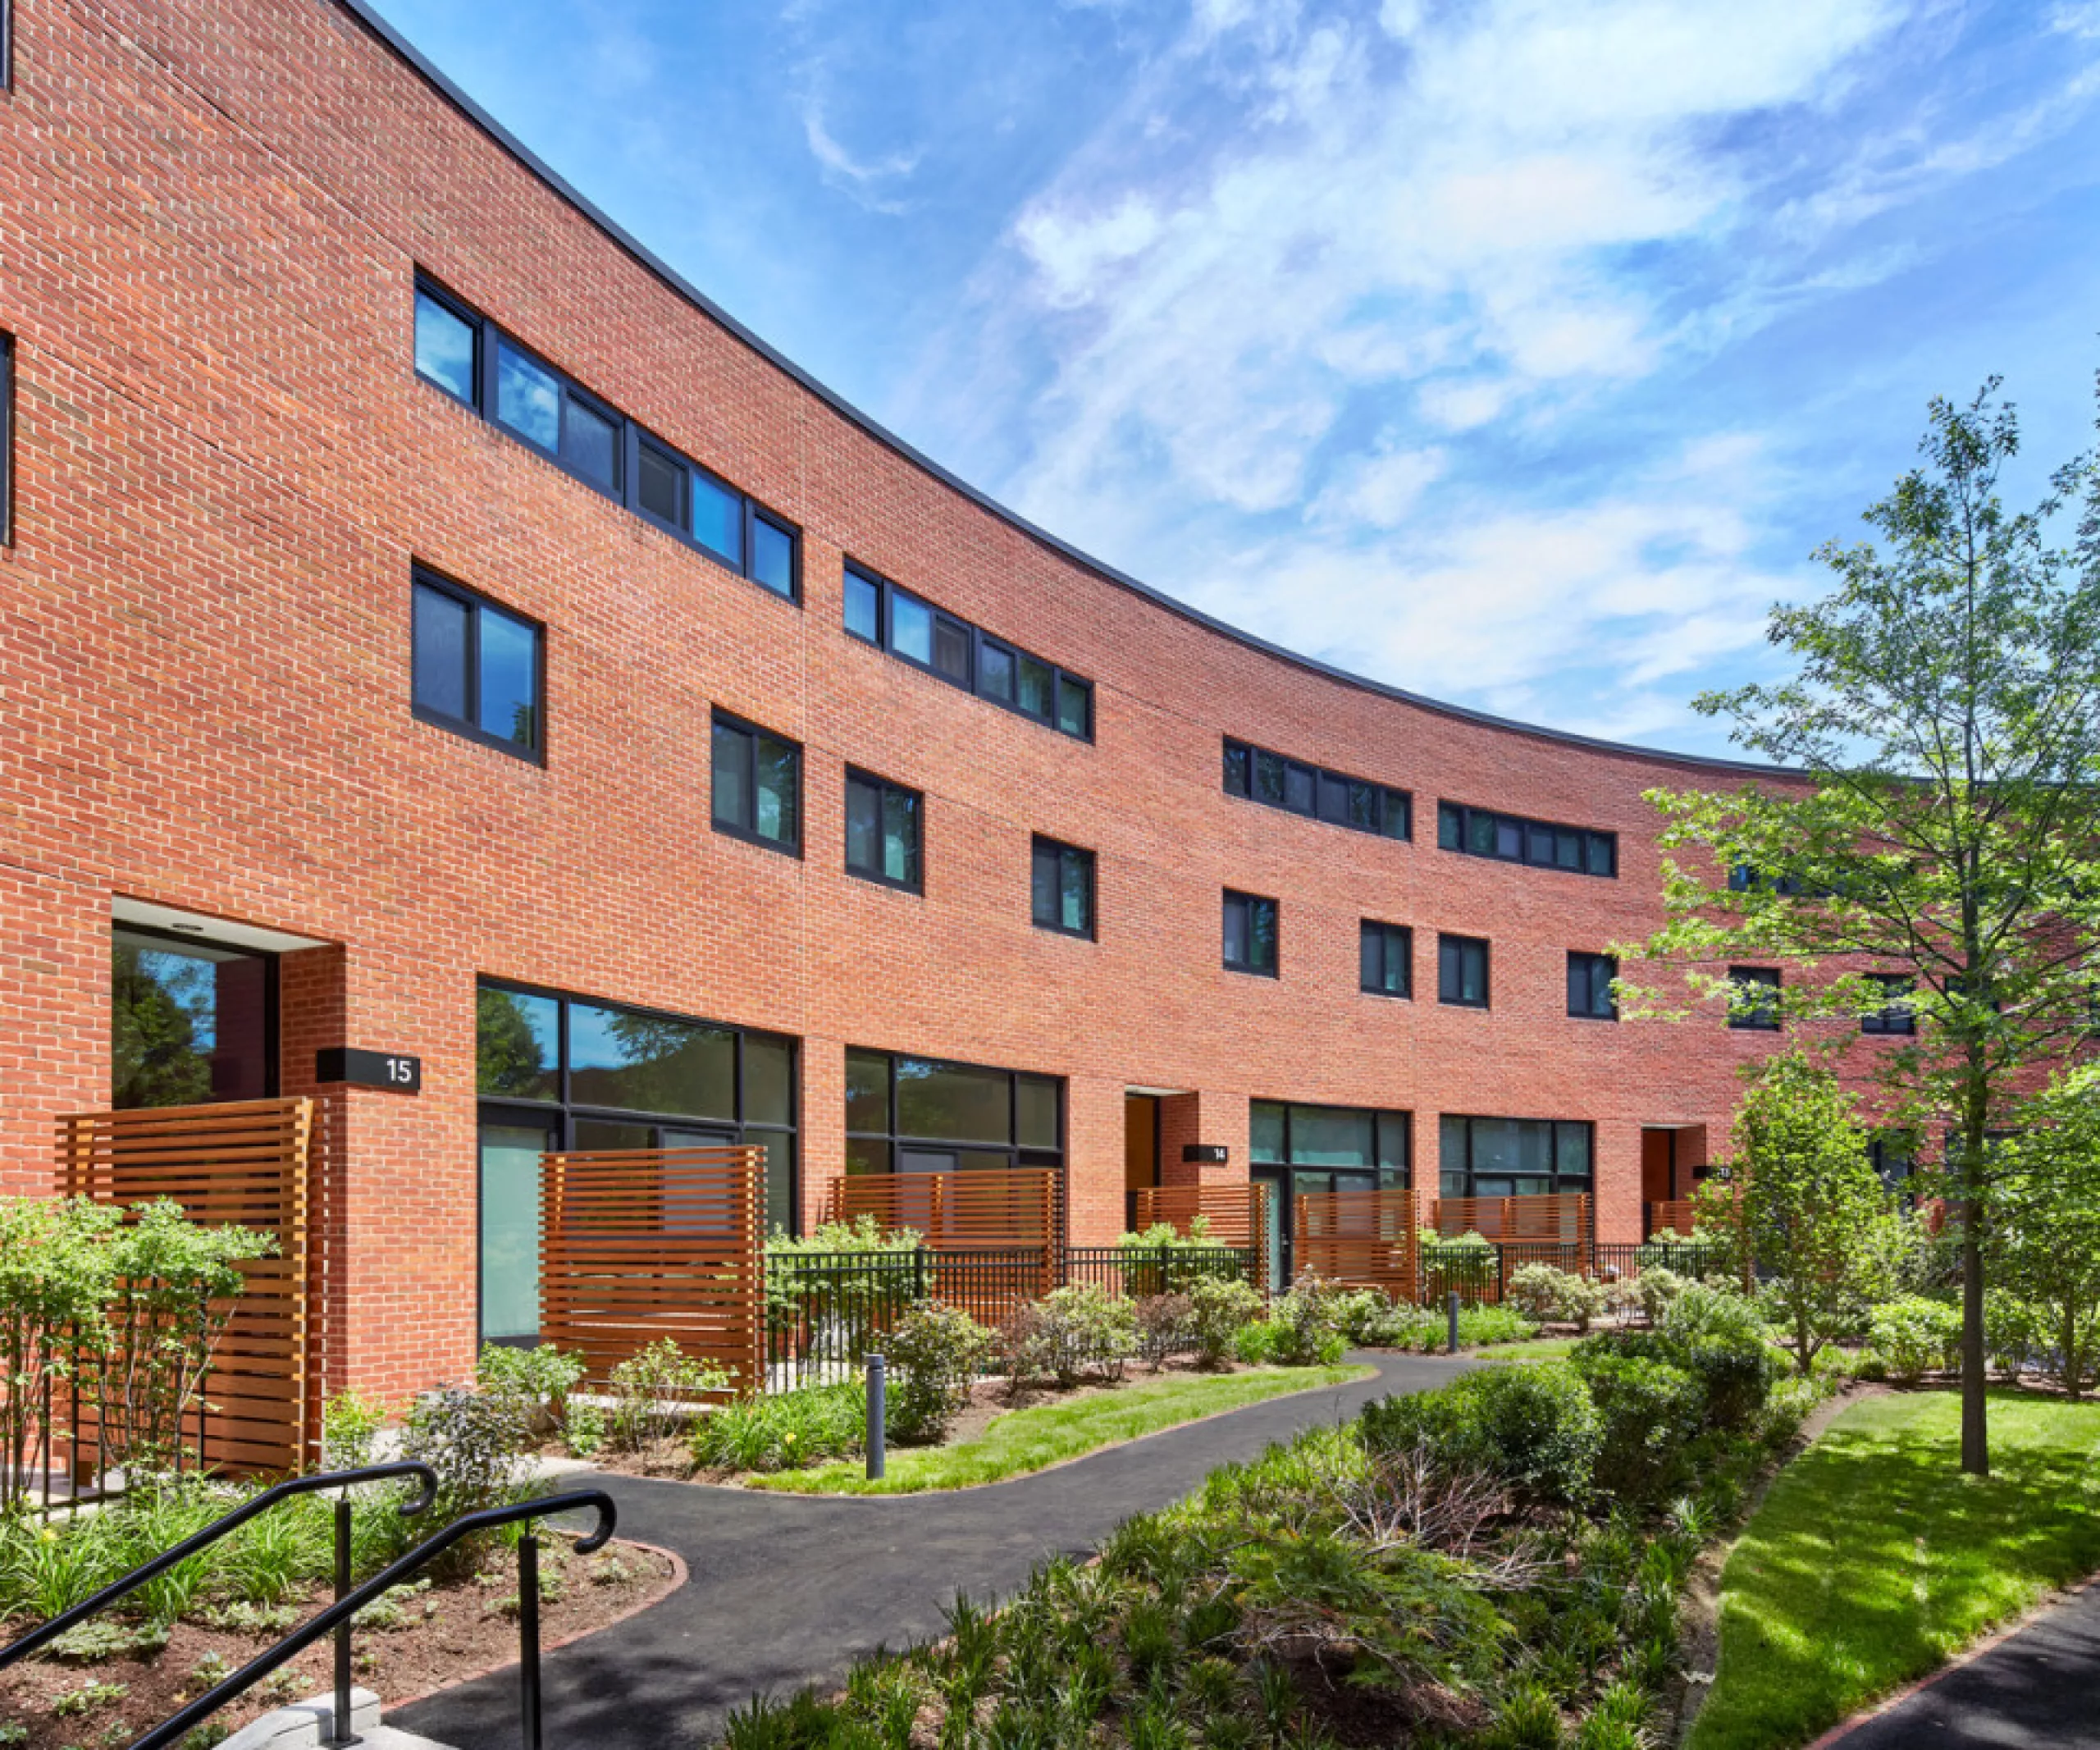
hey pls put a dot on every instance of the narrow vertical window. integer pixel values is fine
(475, 668)
(6, 425)
(1462, 971)
(772, 556)
(882, 831)
(758, 784)
(1061, 880)
(1589, 986)
(1250, 934)
(1753, 1001)
(448, 345)
(863, 606)
(1386, 959)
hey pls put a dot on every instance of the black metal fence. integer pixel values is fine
(1137, 1273)
(1480, 1273)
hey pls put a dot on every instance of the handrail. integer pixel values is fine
(43, 1636)
(171, 1730)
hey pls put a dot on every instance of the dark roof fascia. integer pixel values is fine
(361, 11)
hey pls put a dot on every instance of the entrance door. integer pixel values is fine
(1140, 1150)
(1279, 1222)
(1657, 1173)
(511, 1151)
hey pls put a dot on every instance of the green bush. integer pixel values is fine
(1166, 1325)
(1915, 1337)
(2015, 1332)
(1488, 1324)
(653, 1394)
(1659, 1288)
(1371, 1321)
(1789, 1406)
(1073, 1334)
(1719, 1338)
(1534, 1427)
(1649, 1412)
(784, 1432)
(934, 1353)
(539, 1379)
(1543, 1293)
(1303, 1331)
(350, 1423)
(476, 1443)
(1219, 1310)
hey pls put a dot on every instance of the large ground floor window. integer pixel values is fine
(1303, 1150)
(562, 1072)
(1513, 1157)
(190, 1022)
(924, 1115)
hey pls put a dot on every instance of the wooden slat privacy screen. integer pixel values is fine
(1562, 1219)
(1679, 1216)
(638, 1244)
(243, 1162)
(964, 1211)
(1365, 1239)
(1238, 1215)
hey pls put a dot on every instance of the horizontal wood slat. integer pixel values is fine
(244, 1163)
(1363, 1239)
(1563, 1218)
(1006, 1220)
(639, 1245)
(1238, 1215)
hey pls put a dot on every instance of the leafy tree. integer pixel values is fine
(1804, 1198)
(1945, 711)
(2046, 1240)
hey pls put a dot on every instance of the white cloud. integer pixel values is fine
(1378, 490)
(858, 176)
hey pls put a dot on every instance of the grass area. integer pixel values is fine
(1874, 1560)
(1026, 1440)
(1532, 1349)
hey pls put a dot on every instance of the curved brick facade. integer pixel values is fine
(211, 212)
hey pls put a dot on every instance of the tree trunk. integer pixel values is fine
(1975, 1431)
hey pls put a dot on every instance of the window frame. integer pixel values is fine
(1765, 1017)
(1458, 818)
(423, 576)
(1588, 961)
(1386, 934)
(1377, 1114)
(6, 386)
(629, 436)
(1897, 1016)
(1040, 843)
(1061, 679)
(894, 1137)
(1570, 1184)
(1245, 757)
(1487, 971)
(883, 786)
(719, 718)
(1274, 970)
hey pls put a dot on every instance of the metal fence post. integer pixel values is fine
(528, 1635)
(343, 1733)
(877, 1407)
(1451, 1312)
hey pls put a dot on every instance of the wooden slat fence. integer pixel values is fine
(996, 1235)
(244, 1163)
(639, 1244)
(1365, 1239)
(1679, 1215)
(1238, 1215)
(1558, 1220)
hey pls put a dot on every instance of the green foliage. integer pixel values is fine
(1533, 1426)
(1915, 1336)
(2045, 1243)
(101, 1638)
(55, 1279)
(653, 1394)
(1303, 1327)
(2015, 1332)
(1166, 1327)
(1540, 1291)
(1219, 1310)
(350, 1423)
(476, 1443)
(834, 1288)
(583, 1428)
(1649, 1411)
(1659, 1288)
(1718, 1336)
(783, 1431)
(1073, 1334)
(935, 1352)
(91, 1698)
(535, 1379)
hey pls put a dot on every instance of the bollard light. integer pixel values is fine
(876, 1392)
(1451, 1306)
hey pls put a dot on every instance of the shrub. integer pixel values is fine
(1302, 1327)
(1659, 1288)
(1719, 1338)
(1165, 1327)
(1072, 1334)
(1370, 1320)
(936, 1351)
(1533, 1426)
(475, 1443)
(349, 1430)
(538, 1380)
(1915, 1336)
(1789, 1407)
(783, 1432)
(1542, 1293)
(1649, 1412)
(2015, 1331)
(653, 1394)
(1219, 1310)
(583, 1428)
(1491, 1324)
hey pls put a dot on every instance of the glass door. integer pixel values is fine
(511, 1151)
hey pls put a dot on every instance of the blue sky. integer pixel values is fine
(1519, 353)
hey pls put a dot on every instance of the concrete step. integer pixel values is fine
(304, 1725)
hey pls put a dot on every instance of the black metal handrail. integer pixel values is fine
(339, 1614)
(43, 1636)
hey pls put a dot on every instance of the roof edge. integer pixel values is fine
(363, 11)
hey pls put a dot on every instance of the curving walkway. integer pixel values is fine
(787, 1590)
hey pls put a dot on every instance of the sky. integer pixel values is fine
(1519, 353)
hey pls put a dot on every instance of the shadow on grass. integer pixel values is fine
(1872, 1560)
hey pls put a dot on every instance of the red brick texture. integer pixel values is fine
(211, 213)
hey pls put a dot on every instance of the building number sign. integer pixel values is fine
(395, 1072)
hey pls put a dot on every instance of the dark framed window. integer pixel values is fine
(1462, 971)
(757, 779)
(1891, 1155)
(1512, 839)
(7, 419)
(1895, 1016)
(1513, 1157)
(884, 825)
(461, 352)
(1385, 959)
(891, 618)
(1334, 797)
(1754, 1002)
(1250, 934)
(555, 1072)
(1589, 986)
(1061, 888)
(190, 1022)
(906, 1114)
(476, 669)
(6, 45)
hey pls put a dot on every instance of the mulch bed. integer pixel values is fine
(445, 1634)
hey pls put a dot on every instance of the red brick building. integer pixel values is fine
(421, 612)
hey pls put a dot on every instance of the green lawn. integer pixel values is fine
(1025, 1440)
(1531, 1348)
(1873, 1561)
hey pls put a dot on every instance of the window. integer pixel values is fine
(1061, 888)
(1478, 832)
(1513, 1157)
(882, 830)
(560, 1072)
(920, 1115)
(6, 402)
(1386, 959)
(469, 356)
(880, 613)
(758, 784)
(1356, 803)
(1334, 1139)
(1890, 1153)
(1250, 934)
(1895, 1016)
(476, 667)
(6, 45)
(1754, 1002)
(1462, 971)
(190, 1022)
(1589, 986)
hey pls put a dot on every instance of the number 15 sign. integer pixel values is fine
(394, 1070)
